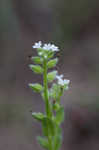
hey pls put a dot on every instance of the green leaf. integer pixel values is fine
(43, 142)
(54, 91)
(51, 76)
(36, 87)
(51, 126)
(60, 115)
(40, 52)
(50, 54)
(48, 126)
(38, 116)
(66, 87)
(56, 106)
(44, 127)
(52, 63)
(36, 68)
(37, 60)
(57, 141)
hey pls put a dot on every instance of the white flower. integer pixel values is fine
(51, 47)
(37, 45)
(59, 76)
(66, 81)
(47, 46)
(62, 81)
(54, 48)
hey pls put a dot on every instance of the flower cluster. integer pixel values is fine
(47, 47)
(51, 47)
(62, 81)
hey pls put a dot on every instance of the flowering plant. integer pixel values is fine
(54, 111)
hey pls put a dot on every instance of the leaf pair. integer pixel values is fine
(39, 70)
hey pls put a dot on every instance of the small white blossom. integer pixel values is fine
(51, 47)
(47, 46)
(62, 81)
(59, 76)
(37, 45)
(66, 81)
(54, 48)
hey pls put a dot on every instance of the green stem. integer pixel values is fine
(46, 89)
(47, 105)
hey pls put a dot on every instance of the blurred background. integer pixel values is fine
(74, 27)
